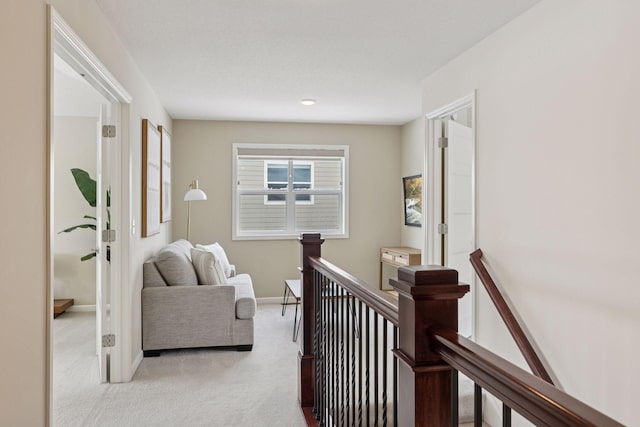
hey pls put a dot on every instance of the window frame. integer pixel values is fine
(290, 189)
(316, 152)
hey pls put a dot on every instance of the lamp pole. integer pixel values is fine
(193, 194)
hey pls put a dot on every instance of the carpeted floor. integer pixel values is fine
(203, 387)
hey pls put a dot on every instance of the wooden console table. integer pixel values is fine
(60, 305)
(399, 257)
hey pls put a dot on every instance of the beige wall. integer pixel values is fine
(74, 142)
(557, 188)
(413, 136)
(23, 234)
(202, 150)
(23, 187)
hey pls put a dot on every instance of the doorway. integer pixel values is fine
(80, 271)
(451, 229)
(87, 106)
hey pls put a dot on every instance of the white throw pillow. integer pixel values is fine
(220, 255)
(208, 267)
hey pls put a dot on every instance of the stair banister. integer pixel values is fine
(523, 343)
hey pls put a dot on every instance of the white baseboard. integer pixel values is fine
(87, 307)
(269, 300)
(136, 363)
(77, 308)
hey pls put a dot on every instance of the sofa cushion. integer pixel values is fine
(174, 263)
(151, 277)
(220, 255)
(245, 298)
(208, 267)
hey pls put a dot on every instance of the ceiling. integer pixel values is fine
(256, 59)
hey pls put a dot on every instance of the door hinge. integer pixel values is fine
(108, 340)
(443, 142)
(108, 131)
(109, 235)
(443, 228)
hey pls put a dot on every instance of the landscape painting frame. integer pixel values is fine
(412, 192)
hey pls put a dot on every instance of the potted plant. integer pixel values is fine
(87, 187)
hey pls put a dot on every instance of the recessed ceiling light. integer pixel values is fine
(307, 101)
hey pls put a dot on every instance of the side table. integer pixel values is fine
(292, 288)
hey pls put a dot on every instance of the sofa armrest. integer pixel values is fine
(186, 316)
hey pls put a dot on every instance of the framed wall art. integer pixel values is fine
(412, 186)
(151, 184)
(165, 174)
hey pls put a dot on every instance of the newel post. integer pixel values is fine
(311, 247)
(427, 295)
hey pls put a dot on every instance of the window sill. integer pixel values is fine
(288, 236)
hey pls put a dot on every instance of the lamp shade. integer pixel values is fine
(194, 193)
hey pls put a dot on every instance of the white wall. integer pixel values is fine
(90, 24)
(202, 150)
(413, 137)
(74, 140)
(557, 188)
(24, 184)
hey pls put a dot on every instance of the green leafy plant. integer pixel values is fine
(87, 187)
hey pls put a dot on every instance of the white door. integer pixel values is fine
(459, 208)
(103, 219)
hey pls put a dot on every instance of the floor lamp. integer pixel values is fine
(193, 194)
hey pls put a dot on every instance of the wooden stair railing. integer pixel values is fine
(533, 398)
(523, 343)
(338, 382)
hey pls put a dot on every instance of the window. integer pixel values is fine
(281, 191)
(277, 177)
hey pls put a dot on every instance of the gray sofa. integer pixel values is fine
(177, 312)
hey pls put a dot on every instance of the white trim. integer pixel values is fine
(269, 300)
(137, 361)
(81, 308)
(459, 104)
(67, 44)
(73, 50)
(431, 165)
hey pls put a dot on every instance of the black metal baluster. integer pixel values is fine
(316, 349)
(347, 352)
(375, 367)
(368, 368)
(395, 378)
(506, 415)
(477, 406)
(454, 398)
(384, 372)
(341, 303)
(353, 359)
(323, 365)
(334, 349)
(360, 367)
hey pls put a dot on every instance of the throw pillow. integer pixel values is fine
(208, 267)
(175, 266)
(220, 255)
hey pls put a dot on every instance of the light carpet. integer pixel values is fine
(203, 387)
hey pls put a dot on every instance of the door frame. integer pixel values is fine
(62, 40)
(433, 188)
